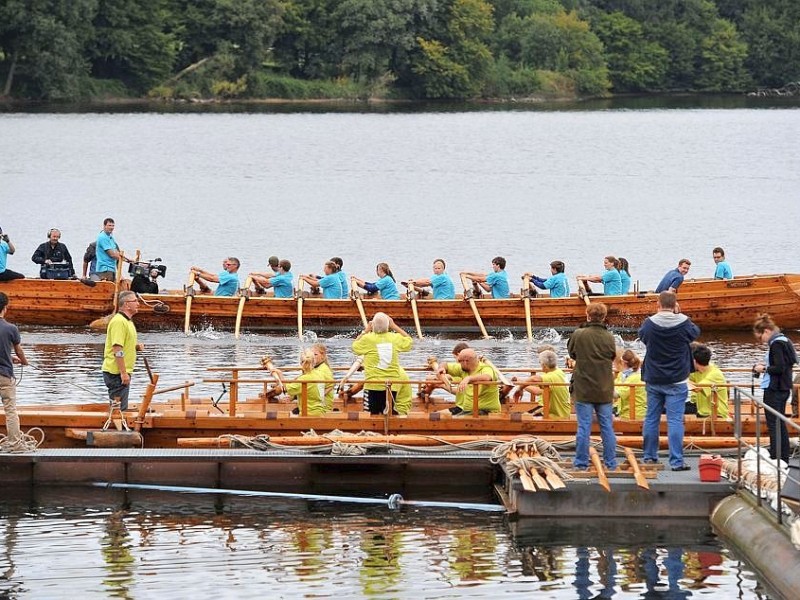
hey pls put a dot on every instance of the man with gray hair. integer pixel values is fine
(119, 356)
(380, 344)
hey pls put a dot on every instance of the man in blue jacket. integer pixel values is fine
(667, 364)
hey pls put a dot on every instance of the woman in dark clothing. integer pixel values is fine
(777, 380)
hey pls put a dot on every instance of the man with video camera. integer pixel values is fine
(6, 248)
(145, 276)
(54, 258)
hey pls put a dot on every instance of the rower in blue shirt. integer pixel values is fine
(612, 282)
(228, 279)
(342, 276)
(495, 282)
(385, 284)
(557, 282)
(439, 282)
(330, 284)
(674, 278)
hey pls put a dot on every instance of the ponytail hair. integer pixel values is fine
(306, 360)
(385, 268)
(764, 322)
(631, 359)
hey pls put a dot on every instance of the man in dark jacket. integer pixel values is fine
(592, 347)
(53, 252)
(667, 364)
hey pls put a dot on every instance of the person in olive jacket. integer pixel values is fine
(592, 388)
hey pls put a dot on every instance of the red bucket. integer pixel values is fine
(710, 467)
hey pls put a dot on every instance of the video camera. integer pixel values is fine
(143, 268)
(3, 236)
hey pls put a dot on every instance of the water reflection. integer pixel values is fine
(130, 545)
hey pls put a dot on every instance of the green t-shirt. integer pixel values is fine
(488, 395)
(121, 332)
(381, 357)
(559, 394)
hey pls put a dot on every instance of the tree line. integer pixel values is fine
(417, 49)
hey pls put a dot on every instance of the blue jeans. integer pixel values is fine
(673, 396)
(605, 419)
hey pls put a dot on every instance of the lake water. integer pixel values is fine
(651, 184)
(62, 542)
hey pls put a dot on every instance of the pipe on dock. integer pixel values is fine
(756, 535)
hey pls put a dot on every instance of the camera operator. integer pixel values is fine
(142, 285)
(6, 248)
(53, 252)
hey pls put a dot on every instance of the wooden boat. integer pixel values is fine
(712, 304)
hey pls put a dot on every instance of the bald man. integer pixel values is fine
(470, 370)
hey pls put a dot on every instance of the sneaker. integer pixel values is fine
(650, 461)
(682, 468)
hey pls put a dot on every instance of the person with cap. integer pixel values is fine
(259, 277)
(53, 252)
(281, 281)
(6, 248)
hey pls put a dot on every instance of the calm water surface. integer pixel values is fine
(652, 185)
(60, 543)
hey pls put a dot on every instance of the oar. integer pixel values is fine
(189, 294)
(524, 476)
(412, 294)
(300, 311)
(526, 295)
(473, 306)
(244, 293)
(147, 398)
(637, 472)
(118, 280)
(500, 375)
(359, 304)
(582, 292)
(598, 465)
(540, 481)
(554, 480)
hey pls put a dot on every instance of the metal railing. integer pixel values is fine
(792, 427)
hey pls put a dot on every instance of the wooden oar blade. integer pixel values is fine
(598, 465)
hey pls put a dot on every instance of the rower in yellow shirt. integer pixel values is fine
(470, 370)
(710, 375)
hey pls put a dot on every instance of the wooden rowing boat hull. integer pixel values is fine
(166, 425)
(712, 304)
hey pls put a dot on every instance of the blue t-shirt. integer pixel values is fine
(499, 283)
(4, 248)
(625, 280)
(723, 271)
(104, 261)
(228, 284)
(387, 287)
(673, 279)
(612, 284)
(331, 286)
(282, 285)
(9, 337)
(443, 288)
(558, 285)
(345, 286)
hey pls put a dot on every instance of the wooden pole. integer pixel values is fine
(473, 306)
(412, 294)
(359, 304)
(243, 295)
(188, 313)
(300, 312)
(582, 292)
(598, 465)
(526, 295)
(118, 280)
(637, 472)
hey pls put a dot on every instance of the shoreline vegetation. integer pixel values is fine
(391, 51)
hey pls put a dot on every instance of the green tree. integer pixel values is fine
(634, 63)
(457, 65)
(723, 55)
(42, 44)
(130, 43)
(772, 33)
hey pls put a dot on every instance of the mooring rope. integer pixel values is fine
(157, 305)
(26, 442)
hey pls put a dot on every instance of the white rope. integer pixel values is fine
(25, 443)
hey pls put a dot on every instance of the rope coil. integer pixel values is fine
(25, 443)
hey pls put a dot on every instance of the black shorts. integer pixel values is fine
(375, 402)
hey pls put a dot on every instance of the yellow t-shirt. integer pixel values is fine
(316, 391)
(121, 332)
(712, 376)
(622, 403)
(559, 394)
(488, 395)
(326, 373)
(381, 360)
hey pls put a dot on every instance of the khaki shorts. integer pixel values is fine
(106, 276)
(8, 393)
